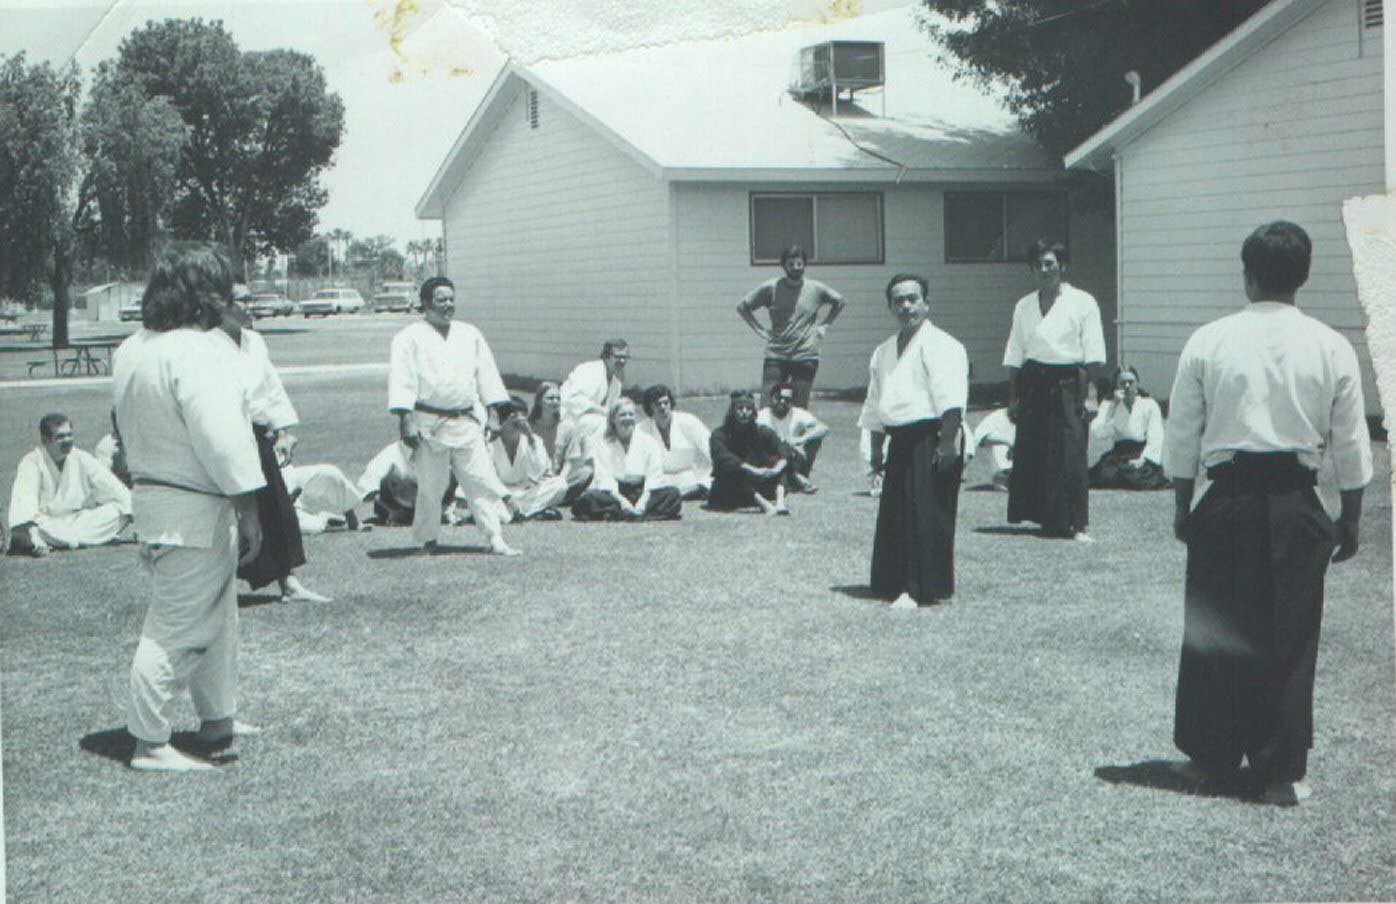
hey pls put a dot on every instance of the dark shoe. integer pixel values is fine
(548, 514)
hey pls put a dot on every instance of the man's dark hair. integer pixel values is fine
(653, 395)
(49, 423)
(611, 345)
(1045, 246)
(189, 285)
(908, 277)
(430, 286)
(1277, 257)
(793, 251)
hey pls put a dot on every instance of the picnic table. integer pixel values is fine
(31, 331)
(77, 359)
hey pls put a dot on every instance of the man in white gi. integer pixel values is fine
(524, 467)
(592, 388)
(1056, 348)
(801, 432)
(441, 370)
(688, 463)
(63, 497)
(324, 497)
(998, 433)
(918, 385)
(1260, 397)
(196, 473)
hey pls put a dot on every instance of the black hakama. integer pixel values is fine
(914, 546)
(1259, 544)
(1048, 483)
(282, 550)
(665, 503)
(1114, 471)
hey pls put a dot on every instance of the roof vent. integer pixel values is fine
(1371, 14)
(829, 69)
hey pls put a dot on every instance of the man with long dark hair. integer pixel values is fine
(748, 466)
(195, 476)
(1260, 399)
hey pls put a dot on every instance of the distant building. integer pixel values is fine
(104, 302)
(1281, 119)
(644, 193)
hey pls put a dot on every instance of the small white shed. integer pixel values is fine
(642, 194)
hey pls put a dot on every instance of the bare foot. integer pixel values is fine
(500, 548)
(904, 602)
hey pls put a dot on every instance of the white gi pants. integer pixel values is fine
(454, 445)
(546, 493)
(85, 527)
(190, 635)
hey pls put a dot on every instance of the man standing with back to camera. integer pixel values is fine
(1260, 397)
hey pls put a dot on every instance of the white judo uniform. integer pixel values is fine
(587, 395)
(81, 504)
(528, 475)
(688, 463)
(321, 493)
(188, 440)
(456, 372)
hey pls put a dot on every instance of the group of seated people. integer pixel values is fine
(622, 467)
(1125, 448)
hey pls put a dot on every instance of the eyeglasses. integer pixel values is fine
(785, 398)
(620, 359)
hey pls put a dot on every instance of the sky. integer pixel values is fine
(410, 72)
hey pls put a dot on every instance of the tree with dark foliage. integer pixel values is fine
(1064, 61)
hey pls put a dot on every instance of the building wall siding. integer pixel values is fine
(1290, 133)
(557, 240)
(973, 302)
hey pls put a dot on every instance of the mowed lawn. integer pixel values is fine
(703, 711)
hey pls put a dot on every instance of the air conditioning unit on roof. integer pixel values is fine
(828, 69)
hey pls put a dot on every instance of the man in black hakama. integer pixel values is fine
(917, 388)
(1056, 345)
(1261, 397)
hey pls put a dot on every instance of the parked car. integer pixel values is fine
(333, 301)
(270, 304)
(131, 310)
(393, 301)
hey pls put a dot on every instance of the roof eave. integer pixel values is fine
(432, 204)
(874, 175)
(1097, 152)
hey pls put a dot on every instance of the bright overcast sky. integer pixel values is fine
(408, 87)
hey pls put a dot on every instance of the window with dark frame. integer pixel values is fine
(832, 227)
(997, 227)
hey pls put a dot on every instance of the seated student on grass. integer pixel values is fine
(324, 498)
(687, 463)
(1126, 439)
(628, 470)
(799, 431)
(63, 497)
(998, 433)
(390, 483)
(559, 439)
(748, 461)
(523, 466)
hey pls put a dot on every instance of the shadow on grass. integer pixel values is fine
(986, 488)
(859, 592)
(404, 552)
(1166, 775)
(248, 600)
(117, 745)
(1010, 530)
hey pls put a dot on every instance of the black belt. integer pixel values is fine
(1274, 472)
(928, 425)
(445, 412)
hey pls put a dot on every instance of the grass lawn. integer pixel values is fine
(703, 711)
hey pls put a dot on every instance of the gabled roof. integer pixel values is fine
(720, 111)
(1269, 23)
